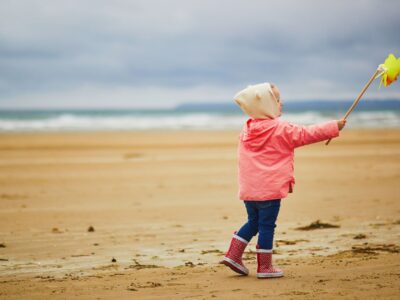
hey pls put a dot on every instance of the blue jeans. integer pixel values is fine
(262, 216)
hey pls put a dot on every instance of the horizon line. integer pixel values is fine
(185, 104)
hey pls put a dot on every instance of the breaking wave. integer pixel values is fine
(87, 121)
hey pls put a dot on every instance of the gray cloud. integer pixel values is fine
(132, 53)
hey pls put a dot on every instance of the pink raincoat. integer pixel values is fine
(266, 155)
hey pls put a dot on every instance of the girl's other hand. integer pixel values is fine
(341, 123)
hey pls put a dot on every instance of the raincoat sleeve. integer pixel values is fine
(298, 135)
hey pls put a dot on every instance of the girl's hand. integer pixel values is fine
(341, 123)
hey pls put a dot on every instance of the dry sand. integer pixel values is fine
(163, 205)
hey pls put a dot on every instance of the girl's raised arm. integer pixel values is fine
(299, 135)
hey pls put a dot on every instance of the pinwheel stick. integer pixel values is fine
(359, 97)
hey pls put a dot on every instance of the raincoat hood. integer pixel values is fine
(258, 101)
(256, 132)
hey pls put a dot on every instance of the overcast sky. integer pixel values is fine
(160, 53)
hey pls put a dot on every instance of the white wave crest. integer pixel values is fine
(184, 121)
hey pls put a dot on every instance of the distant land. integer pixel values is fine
(218, 107)
(293, 106)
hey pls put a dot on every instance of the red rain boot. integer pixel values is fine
(265, 268)
(233, 258)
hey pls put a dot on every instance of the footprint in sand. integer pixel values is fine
(317, 225)
(56, 230)
(216, 251)
(149, 284)
(360, 236)
(139, 266)
(287, 242)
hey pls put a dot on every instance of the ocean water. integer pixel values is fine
(378, 114)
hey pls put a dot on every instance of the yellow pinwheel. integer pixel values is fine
(391, 70)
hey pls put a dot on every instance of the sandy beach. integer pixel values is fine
(148, 215)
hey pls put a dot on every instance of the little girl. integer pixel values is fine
(266, 157)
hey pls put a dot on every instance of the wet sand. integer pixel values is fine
(148, 215)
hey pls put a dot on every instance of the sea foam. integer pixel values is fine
(87, 121)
